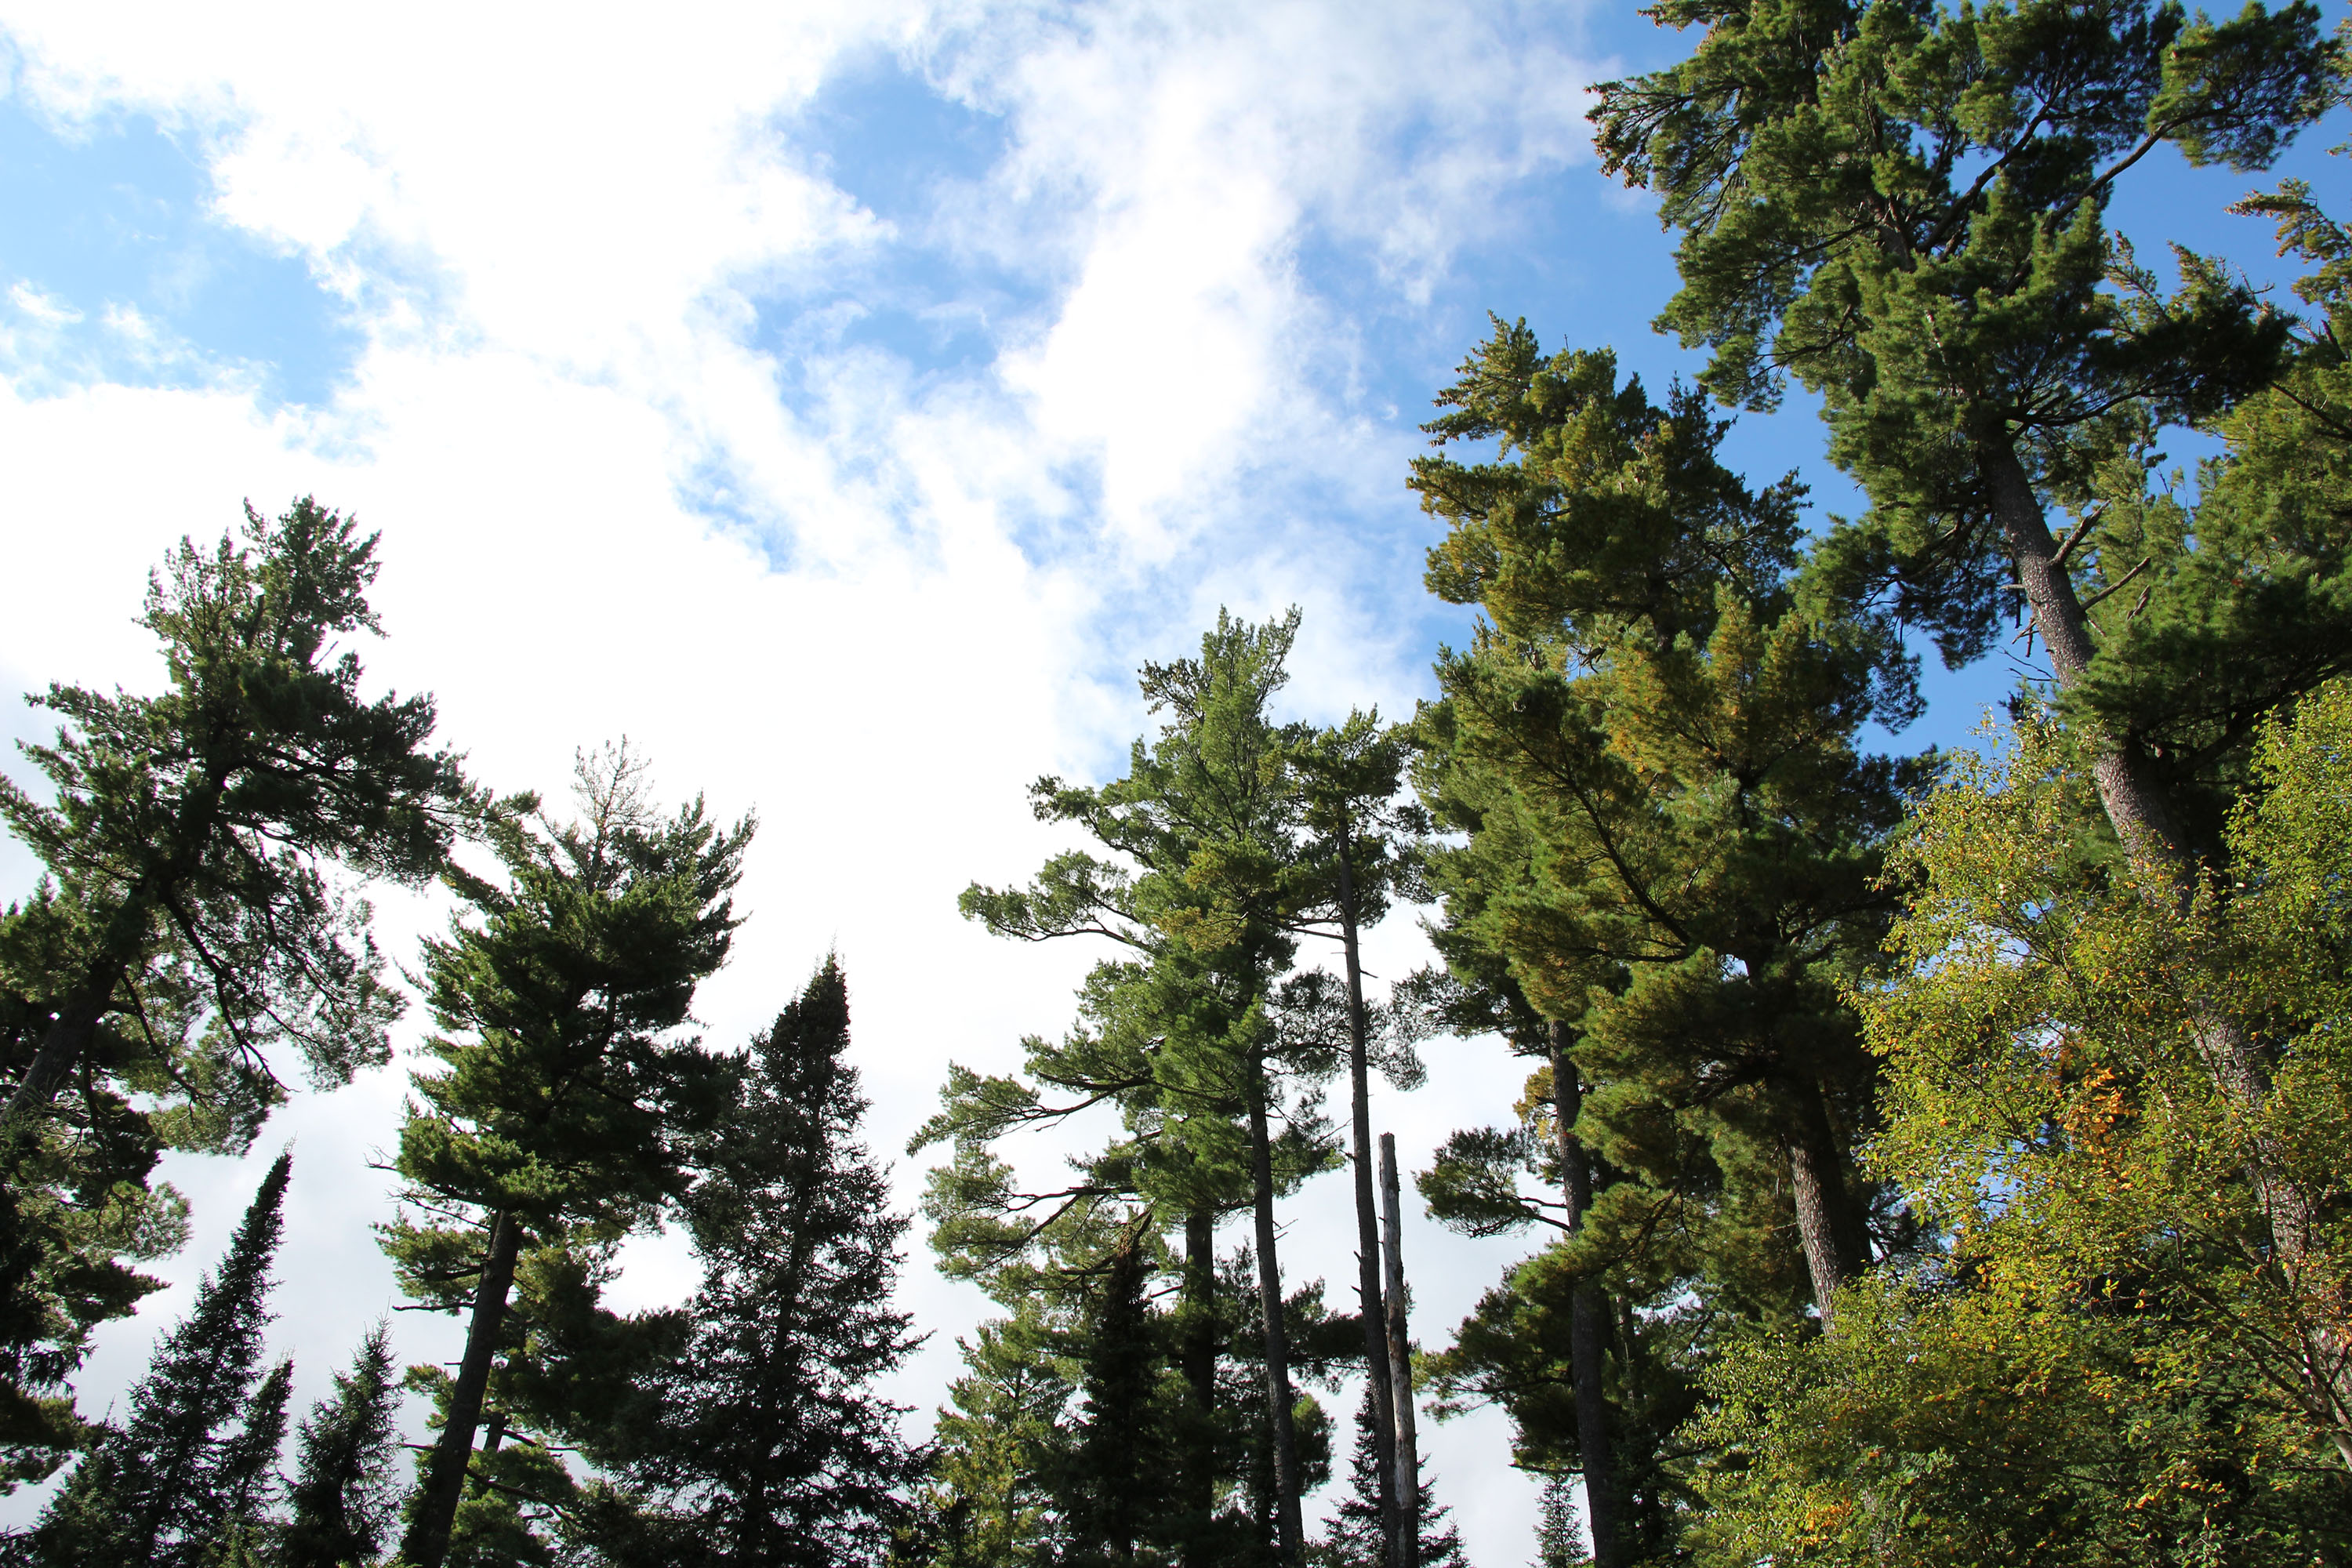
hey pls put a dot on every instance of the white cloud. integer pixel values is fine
(869, 598)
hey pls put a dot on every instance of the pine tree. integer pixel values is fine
(343, 1501)
(1207, 886)
(567, 1117)
(173, 1479)
(187, 932)
(766, 1444)
(1357, 1537)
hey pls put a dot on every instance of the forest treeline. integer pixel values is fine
(1930, 1158)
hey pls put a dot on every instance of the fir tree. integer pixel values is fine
(768, 1446)
(343, 1501)
(244, 1481)
(1560, 1540)
(1358, 1536)
(174, 1478)
(1114, 1482)
(566, 1120)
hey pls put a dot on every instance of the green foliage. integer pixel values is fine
(191, 1465)
(343, 1497)
(1356, 1537)
(189, 931)
(2108, 1367)
(760, 1439)
(566, 1111)
(1903, 205)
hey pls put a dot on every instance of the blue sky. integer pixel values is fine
(840, 402)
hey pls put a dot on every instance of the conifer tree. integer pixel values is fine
(1112, 1482)
(1358, 1536)
(1348, 777)
(187, 928)
(567, 1103)
(193, 1451)
(765, 1443)
(342, 1501)
(1905, 207)
(1672, 850)
(193, 831)
(1208, 889)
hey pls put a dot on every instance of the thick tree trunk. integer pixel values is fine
(61, 1048)
(1404, 1536)
(1837, 1244)
(1287, 1522)
(1588, 1331)
(1377, 1371)
(427, 1542)
(2142, 818)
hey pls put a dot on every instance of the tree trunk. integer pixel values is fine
(1837, 1244)
(1377, 1369)
(443, 1487)
(2142, 818)
(1589, 1326)
(1288, 1524)
(61, 1047)
(1404, 1537)
(1198, 1462)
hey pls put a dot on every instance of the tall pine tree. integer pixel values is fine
(567, 1103)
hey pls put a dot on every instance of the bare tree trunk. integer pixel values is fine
(1837, 1244)
(1588, 1331)
(427, 1542)
(1405, 1536)
(1377, 1371)
(1287, 1522)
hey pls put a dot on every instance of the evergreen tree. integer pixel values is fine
(1350, 776)
(244, 1481)
(186, 927)
(1208, 889)
(1560, 1543)
(173, 1478)
(343, 1501)
(564, 1122)
(766, 1445)
(1113, 1483)
(1358, 1536)
(1672, 856)
(1905, 207)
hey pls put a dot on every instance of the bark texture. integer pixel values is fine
(428, 1542)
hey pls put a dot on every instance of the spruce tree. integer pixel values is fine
(1358, 1536)
(566, 1105)
(763, 1441)
(342, 1498)
(193, 1452)
(1113, 1484)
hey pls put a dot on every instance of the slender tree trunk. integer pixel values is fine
(1404, 1536)
(1589, 1325)
(1199, 1360)
(427, 1542)
(1287, 1522)
(1837, 1246)
(2137, 806)
(1377, 1369)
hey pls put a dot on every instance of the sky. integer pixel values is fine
(840, 402)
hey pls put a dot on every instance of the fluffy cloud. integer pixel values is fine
(642, 469)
